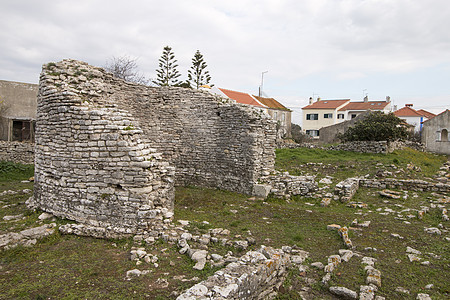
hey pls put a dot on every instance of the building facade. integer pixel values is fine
(18, 102)
(324, 113)
(413, 117)
(435, 133)
(281, 114)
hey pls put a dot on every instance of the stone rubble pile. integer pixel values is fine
(27, 237)
(346, 189)
(283, 185)
(256, 275)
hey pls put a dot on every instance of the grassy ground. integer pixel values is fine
(70, 267)
(344, 164)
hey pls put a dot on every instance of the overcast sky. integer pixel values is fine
(329, 48)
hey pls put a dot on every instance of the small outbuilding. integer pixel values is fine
(18, 102)
(435, 135)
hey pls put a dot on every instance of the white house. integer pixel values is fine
(324, 113)
(413, 117)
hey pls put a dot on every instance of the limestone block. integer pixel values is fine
(343, 292)
(261, 190)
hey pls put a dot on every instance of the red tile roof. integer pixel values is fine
(426, 114)
(271, 102)
(243, 98)
(327, 104)
(407, 112)
(370, 105)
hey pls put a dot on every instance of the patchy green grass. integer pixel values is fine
(70, 267)
(344, 164)
(10, 171)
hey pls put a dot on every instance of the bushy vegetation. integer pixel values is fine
(298, 135)
(10, 171)
(377, 126)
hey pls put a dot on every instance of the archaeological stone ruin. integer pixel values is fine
(109, 153)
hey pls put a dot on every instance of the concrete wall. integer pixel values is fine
(432, 133)
(328, 134)
(321, 122)
(109, 152)
(19, 101)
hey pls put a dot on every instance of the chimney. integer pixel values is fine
(318, 99)
(366, 98)
(310, 100)
(388, 99)
(408, 105)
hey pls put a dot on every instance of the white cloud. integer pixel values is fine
(336, 46)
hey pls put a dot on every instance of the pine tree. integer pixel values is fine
(198, 75)
(167, 72)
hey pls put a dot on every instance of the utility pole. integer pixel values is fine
(262, 83)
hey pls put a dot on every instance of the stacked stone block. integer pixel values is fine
(109, 152)
(18, 152)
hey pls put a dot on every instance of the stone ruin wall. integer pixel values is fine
(108, 152)
(18, 152)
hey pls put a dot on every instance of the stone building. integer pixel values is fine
(435, 133)
(17, 110)
(109, 152)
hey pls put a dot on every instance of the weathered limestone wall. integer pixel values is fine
(17, 152)
(109, 152)
(213, 142)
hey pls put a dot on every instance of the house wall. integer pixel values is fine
(414, 121)
(321, 122)
(432, 133)
(108, 152)
(328, 134)
(283, 117)
(19, 101)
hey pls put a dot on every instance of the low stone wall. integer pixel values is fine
(18, 152)
(363, 146)
(405, 184)
(376, 146)
(257, 275)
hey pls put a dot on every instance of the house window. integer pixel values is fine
(275, 114)
(353, 116)
(328, 116)
(312, 133)
(340, 116)
(312, 117)
(444, 135)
